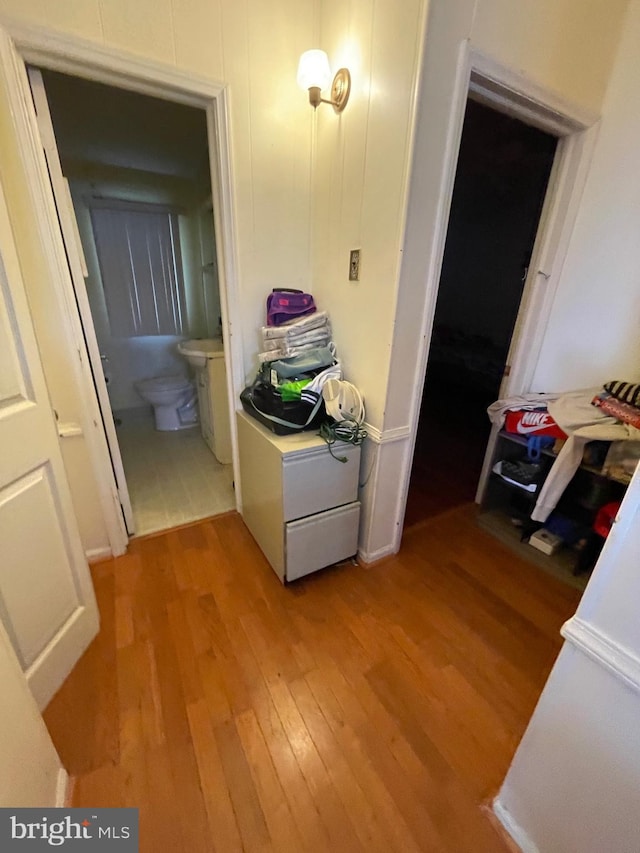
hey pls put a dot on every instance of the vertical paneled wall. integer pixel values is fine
(253, 47)
(361, 180)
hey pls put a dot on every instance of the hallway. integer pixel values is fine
(361, 708)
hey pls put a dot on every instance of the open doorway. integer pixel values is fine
(501, 180)
(138, 173)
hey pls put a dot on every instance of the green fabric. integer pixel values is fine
(291, 390)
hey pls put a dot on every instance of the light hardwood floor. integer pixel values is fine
(359, 709)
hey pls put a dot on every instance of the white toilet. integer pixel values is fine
(174, 401)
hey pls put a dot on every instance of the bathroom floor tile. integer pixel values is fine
(173, 477)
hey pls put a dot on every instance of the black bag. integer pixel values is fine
(264, 402)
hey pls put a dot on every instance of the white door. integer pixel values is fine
(31, 771)
(77, 268)
(47, 604)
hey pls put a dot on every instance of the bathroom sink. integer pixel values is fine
(199, 350)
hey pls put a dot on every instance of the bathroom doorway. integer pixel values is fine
(135, 170)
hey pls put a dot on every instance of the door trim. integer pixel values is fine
(509, 92)
(72, 55)
(482, 77)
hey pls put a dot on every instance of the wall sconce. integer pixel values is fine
(314, 74)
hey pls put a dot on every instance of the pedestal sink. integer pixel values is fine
(199, 350)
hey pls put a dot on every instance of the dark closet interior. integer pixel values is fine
(501, 179)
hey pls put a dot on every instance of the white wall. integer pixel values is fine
(592, 335)
(30, 765)
(574, 781)
(574, 784)
(566, 45)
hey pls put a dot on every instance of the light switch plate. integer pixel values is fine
(354, 265)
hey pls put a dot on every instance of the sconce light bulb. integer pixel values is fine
(313, 70)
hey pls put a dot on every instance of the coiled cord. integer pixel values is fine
(348, 431)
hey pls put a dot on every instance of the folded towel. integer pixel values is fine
(284, 352)
(304, 324)
(305, 337)
(300, 338)
(318, 337)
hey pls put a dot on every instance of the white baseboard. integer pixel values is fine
(387, 435)
(622, 662)
(380, 554)
(62, 788)
(95, 554)
(514, 829)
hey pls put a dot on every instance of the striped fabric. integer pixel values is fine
(628, 392)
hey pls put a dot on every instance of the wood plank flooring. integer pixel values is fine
(358, 709)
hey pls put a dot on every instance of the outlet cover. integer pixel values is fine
(354, 265)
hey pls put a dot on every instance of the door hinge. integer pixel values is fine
(507, 371)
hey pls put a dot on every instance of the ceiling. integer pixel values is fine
(95, 123)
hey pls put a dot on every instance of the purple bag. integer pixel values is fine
(284, 305)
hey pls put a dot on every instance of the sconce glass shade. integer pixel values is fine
(313, 70)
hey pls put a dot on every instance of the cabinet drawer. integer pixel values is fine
(317, 481)
(320, 540)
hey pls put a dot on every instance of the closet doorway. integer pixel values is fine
(503, 171)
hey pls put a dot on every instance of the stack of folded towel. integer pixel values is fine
(296, 337)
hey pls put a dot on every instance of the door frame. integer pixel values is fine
(576, 130)
(481, 77)
(76, 56)
(78, 269)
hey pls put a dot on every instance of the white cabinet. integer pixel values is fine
(300, 504)
(204, 405)
(214, 408)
